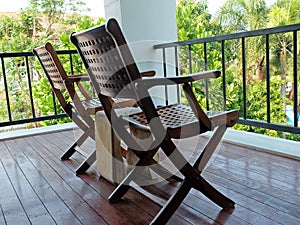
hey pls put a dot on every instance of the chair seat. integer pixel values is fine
(92, 105)
(179, 120)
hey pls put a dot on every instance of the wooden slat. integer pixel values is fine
(11, 207)
(87, 195)
(106, 189)
(42, 189)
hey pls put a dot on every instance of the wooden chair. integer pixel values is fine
(79, 109)
(114, 73)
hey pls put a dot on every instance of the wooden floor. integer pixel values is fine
(36, 187)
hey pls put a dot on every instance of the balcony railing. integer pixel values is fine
(241, 38)
(267, 34)
(9, 87)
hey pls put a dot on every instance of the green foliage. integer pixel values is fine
(55, 20)
(195, 22)
(41, 21)
(45, 100)
(194, 14)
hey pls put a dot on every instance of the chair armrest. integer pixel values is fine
(149, 73)
(227, 117)
(151, 82)
(78, 78)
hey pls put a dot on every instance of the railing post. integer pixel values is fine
(223, 74)
(244, 79)
(165, 74)
(295, 69)
(6, 89)
(206, 80)
(177, 72)
(29, 86)
(268, 77)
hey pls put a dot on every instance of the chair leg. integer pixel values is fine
(72, 149)
(193, 175)
(213, 194)
(87, 163)
(210, 148)
(124, 186)
(136, 172)
(177, 198)
(172, 204)
(69, 152)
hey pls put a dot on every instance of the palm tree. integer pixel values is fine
(284, 12)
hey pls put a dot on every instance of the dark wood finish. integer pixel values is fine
(114, 73)
(78, 109)
(38, 188)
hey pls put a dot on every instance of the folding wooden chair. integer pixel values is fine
(114, 73)
(78, 108)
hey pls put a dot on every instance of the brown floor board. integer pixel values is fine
(67, 195)
(42, 189)
(12, 211)
(81, 188)
(252, 200)
(139, 216)
(282, 190)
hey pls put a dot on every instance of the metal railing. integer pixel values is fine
(8, 88)
(27, 57)
(222, 40)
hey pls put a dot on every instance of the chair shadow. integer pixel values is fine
(223, 216)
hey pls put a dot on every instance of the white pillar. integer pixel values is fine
(146, 23)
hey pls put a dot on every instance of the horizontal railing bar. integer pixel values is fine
(271, 126)
(30, 120)
(22, 54)
(246, 34)
(222, 38)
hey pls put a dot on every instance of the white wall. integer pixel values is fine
(145, 23)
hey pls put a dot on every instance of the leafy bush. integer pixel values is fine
(45, 101)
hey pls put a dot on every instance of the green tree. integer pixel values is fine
(193, 22)
(284, 12)
(55, 11)
(42, 21)
(236, 16)
(243, 15)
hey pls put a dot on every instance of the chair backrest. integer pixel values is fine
(57, 77)
(51, 65)
(54, 72)
(107, 59)
(112, 71)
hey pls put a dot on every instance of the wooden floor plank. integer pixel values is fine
(64, 190)
(11, 207)
(58, 210)
(42, 189)
(266, 165)
(263, 183)
(250, 199)
(106, 207)
(2, 219)
(31, 202)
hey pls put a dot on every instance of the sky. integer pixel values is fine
(97, 6)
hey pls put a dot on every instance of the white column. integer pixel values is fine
(146, 23)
